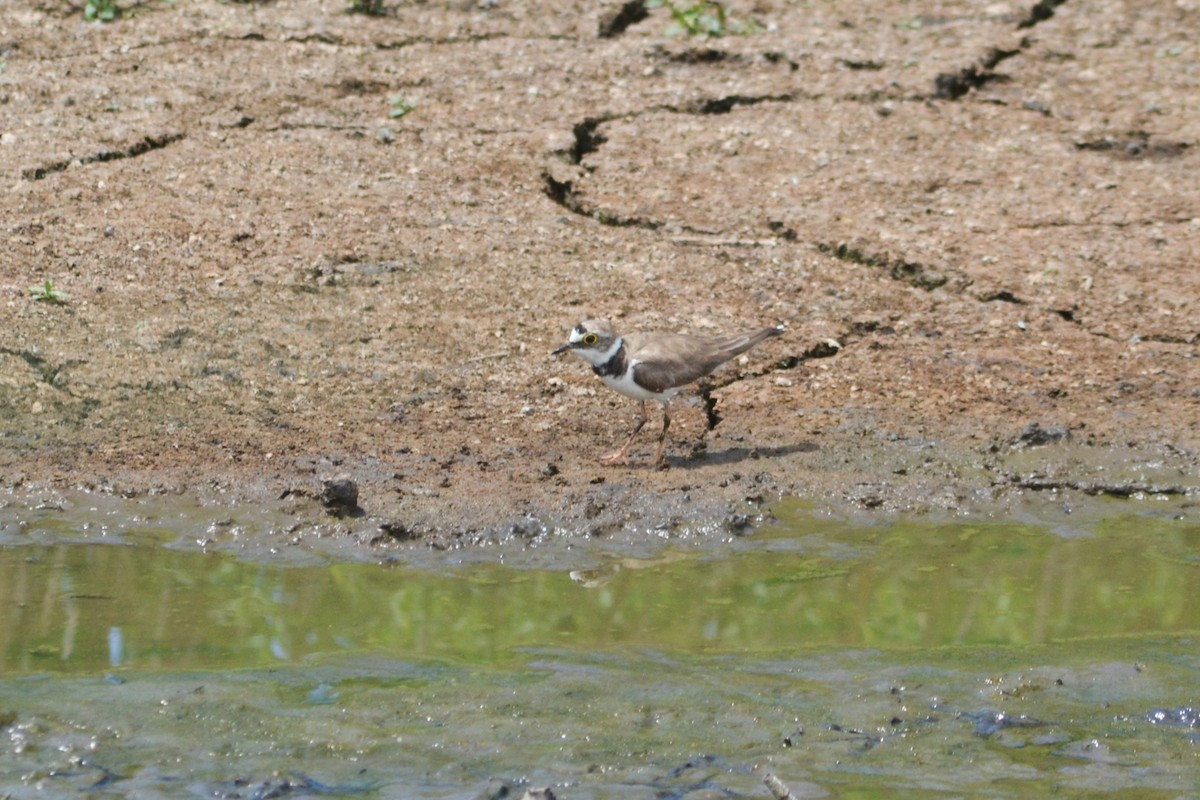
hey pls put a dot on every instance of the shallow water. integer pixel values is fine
(907, 660)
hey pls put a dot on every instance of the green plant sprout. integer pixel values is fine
(108, 10)
(103, 10)
(46, 293)
(400, 106)
(705, 19)
(372, 8)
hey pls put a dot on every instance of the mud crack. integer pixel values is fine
(711, 55)
(587, 139)
(822, 349)
(630, 13)
(49, 374)
(146, 145)
(563, 193)
(910, 272)
(953, 85)
(999, 296)
(711, 418)
(1166, 338)
(1135, 146)
(723, 105)
(1040, 12)
(1096, 488)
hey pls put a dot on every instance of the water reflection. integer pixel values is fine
(116, 646)
(88, 608)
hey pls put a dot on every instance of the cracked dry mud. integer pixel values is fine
(972, 217)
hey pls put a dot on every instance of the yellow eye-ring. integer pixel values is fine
(590, 339)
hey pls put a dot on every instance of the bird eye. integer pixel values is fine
(590, 339)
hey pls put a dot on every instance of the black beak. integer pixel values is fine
(564, 348)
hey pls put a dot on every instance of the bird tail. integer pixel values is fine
(738, 343)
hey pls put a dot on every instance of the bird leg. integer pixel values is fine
(662, 437)
(617, 457)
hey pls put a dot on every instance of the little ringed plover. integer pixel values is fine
(654, 366)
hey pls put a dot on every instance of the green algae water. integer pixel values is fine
(906, 660)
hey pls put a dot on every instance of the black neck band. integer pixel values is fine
(615, 366)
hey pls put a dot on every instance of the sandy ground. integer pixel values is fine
(980, 222)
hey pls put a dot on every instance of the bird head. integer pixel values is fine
(593, 340)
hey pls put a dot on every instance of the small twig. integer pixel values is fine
(486, 356)
(695, 241)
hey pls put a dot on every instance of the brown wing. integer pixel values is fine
(670, 360)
